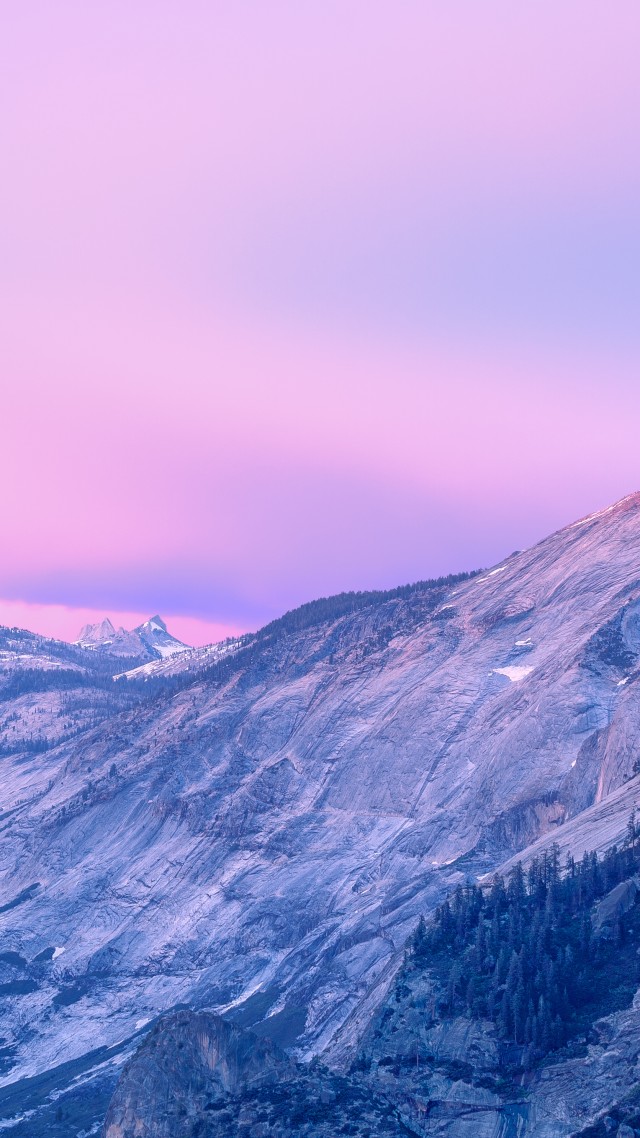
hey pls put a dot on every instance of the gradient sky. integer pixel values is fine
(299, 296)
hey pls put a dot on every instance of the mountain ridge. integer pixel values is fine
(262, 838)
(150, 638)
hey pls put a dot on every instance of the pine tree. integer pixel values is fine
(519, 1005)
(454, 984)
(420, 940)
(631, 830)
(505, 1019)
(516, 891)
(525, 954)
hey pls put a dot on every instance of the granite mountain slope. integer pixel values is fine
(261, 837)
(440, 1060)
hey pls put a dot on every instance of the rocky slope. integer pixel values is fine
(196, 1074)
(418, 1065)
(447, 1073)
(261, 838)
(50, 691)
(417, 1070)
(446, 1078)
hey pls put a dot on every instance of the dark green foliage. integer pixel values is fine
(523, 952)
(45, 956)
(67, 996)
(13, 958)
(25, 680)
(317, 1102)
(18, 987)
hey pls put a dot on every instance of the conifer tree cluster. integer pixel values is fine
(523, 952)
(341, 604)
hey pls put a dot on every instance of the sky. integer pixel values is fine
(302, 296)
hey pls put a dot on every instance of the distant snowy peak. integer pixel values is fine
(97, 633)
(153, 624)
(103, 637)
(154, 635)
(149, 639)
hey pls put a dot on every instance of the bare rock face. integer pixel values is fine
(188, 1064)
(571, 1096)
(197, 1076)
(615, 904)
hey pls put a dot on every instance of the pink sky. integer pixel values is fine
(65, 622)
(298, 298)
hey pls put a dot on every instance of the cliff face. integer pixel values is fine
(189, 1064)
(195, 1074)
(262, 840)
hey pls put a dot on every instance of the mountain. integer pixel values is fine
(149, 640)
(259, 834)
(153, 634)
(103, 637)
(527, 1020)
(188, 663)
(92, 635)
(50, 691)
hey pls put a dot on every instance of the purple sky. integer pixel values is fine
(301, 297)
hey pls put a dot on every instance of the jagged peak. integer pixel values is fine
(99, 631)
(150, 637)
(154, 622)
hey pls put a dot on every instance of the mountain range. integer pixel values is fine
(150, 638)
(253, 830)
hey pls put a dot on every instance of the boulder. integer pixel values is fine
(616, 903)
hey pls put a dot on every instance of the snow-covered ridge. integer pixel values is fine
(607, 510)
(189, 660)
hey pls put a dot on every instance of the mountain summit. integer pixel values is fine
(100, 633)
(150, 639)
(155, 636)
(154, 622)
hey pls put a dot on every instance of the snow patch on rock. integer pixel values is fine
(513, 672)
